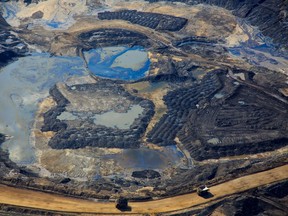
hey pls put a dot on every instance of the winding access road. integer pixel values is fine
(52, 202)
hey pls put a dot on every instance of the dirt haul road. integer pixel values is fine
(40, 200)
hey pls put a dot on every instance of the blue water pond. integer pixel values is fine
(124, 63)
(144, 158)
(54, 24)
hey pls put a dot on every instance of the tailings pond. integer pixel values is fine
(144, 158)
(25, 82)
(22, 84)
(124, 63)
(112, 119)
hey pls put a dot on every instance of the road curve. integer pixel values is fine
(41, 200)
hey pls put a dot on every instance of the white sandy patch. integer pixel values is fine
(237, 37)
(134, 59)
(54, 9)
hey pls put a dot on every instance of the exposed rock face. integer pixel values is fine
(150, 20)
(148, 174)
(269, 15)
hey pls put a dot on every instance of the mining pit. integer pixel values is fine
(144, 100)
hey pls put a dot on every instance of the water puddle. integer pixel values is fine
(67, 116)
(54, 24)
(144, 158)
(123, 63)
(259, 50)
(22, 84)
(119, 120)
(55, 19)
(112, 119)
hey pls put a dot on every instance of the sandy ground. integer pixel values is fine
(41, 200)
(156, 96)
(208, 21)
(87, 24)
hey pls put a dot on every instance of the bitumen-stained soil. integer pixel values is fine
(150, 20)
(268, 15)
(150, 174)
(8, 210)
(12, 47)
(229, 115)
(71, 137)
(113, 37)
(2, 138)
(230, 121)
(260, 201)
(250, 186)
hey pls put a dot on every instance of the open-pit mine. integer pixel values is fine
(133, 107)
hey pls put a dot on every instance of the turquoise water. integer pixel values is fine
(23, 84)
(118, 63)
(54, 24)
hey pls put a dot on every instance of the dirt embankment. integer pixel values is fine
(45, 201)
